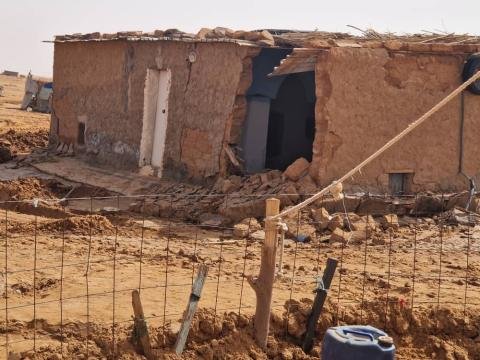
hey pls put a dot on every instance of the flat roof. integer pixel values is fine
(422, 42)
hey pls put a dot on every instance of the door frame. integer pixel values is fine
(155, 80)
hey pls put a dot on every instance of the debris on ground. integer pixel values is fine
(20, 142)
(31, 188)
(297, 169)
(5, 151)
(84, 225)
(458, 216)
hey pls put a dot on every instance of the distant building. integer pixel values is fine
(10, 73)
(188, 106)
(38, 93)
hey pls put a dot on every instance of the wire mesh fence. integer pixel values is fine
(78, 261)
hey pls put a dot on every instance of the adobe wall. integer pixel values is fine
(202, 97)
(366, 96)
(104, 83)
(90, 86)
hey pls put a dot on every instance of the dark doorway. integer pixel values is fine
(291, 123)
(81, 134)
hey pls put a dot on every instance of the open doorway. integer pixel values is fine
(291, 121)
(280, 123)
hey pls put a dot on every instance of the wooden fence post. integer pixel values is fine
(140, 326)
(191, 308)
(263, 284)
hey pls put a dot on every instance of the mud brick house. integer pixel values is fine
(189, 106)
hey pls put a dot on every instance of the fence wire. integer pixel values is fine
(83, 266)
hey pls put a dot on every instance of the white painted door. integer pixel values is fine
(161, 116)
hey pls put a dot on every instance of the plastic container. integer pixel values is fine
(357, 343)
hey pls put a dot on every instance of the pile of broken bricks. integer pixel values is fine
(320, 225)
(236, 200)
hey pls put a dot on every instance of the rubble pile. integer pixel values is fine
(239, 201)
(15, 142)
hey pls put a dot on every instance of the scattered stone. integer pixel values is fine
(306, 185)
(321, 217)
(407, 221)
(366, 224)
(335, 222)
(274, 175)
(286, 354)
(212, 220)
(290, 195)
(245, 227)
(351, 237)
(240, 231)
(378, 240)
(223, 32)
(266, 38)
(297, 169)
(339, 235)
(302, 232)
(228, 186)
(264, 178)
(461, 200)
(390, 221)
(459, 216)
(202, 33)
(258, 235)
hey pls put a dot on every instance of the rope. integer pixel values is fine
(385, 147)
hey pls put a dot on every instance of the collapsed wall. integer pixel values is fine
(367, 96)
(99, 100)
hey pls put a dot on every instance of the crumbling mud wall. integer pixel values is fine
(102, 84)
(202, 97)
(236, 119)
(367, 96)
(90, 87)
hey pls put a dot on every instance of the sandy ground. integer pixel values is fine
(11, 117)
(402, 270)
(419, 282)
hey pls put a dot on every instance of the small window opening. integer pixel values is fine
(400, 183)
(81, 134)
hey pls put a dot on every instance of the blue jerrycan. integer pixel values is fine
(357, 343)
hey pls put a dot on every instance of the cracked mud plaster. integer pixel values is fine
(367, 96)
(110, 77)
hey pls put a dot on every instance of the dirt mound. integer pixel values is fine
(24, 142)
(230, 336)
(31, 188)
(84, 190)
(97, 224)
(422, 334)
(224, 336)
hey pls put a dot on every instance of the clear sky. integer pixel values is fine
(25, 23)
